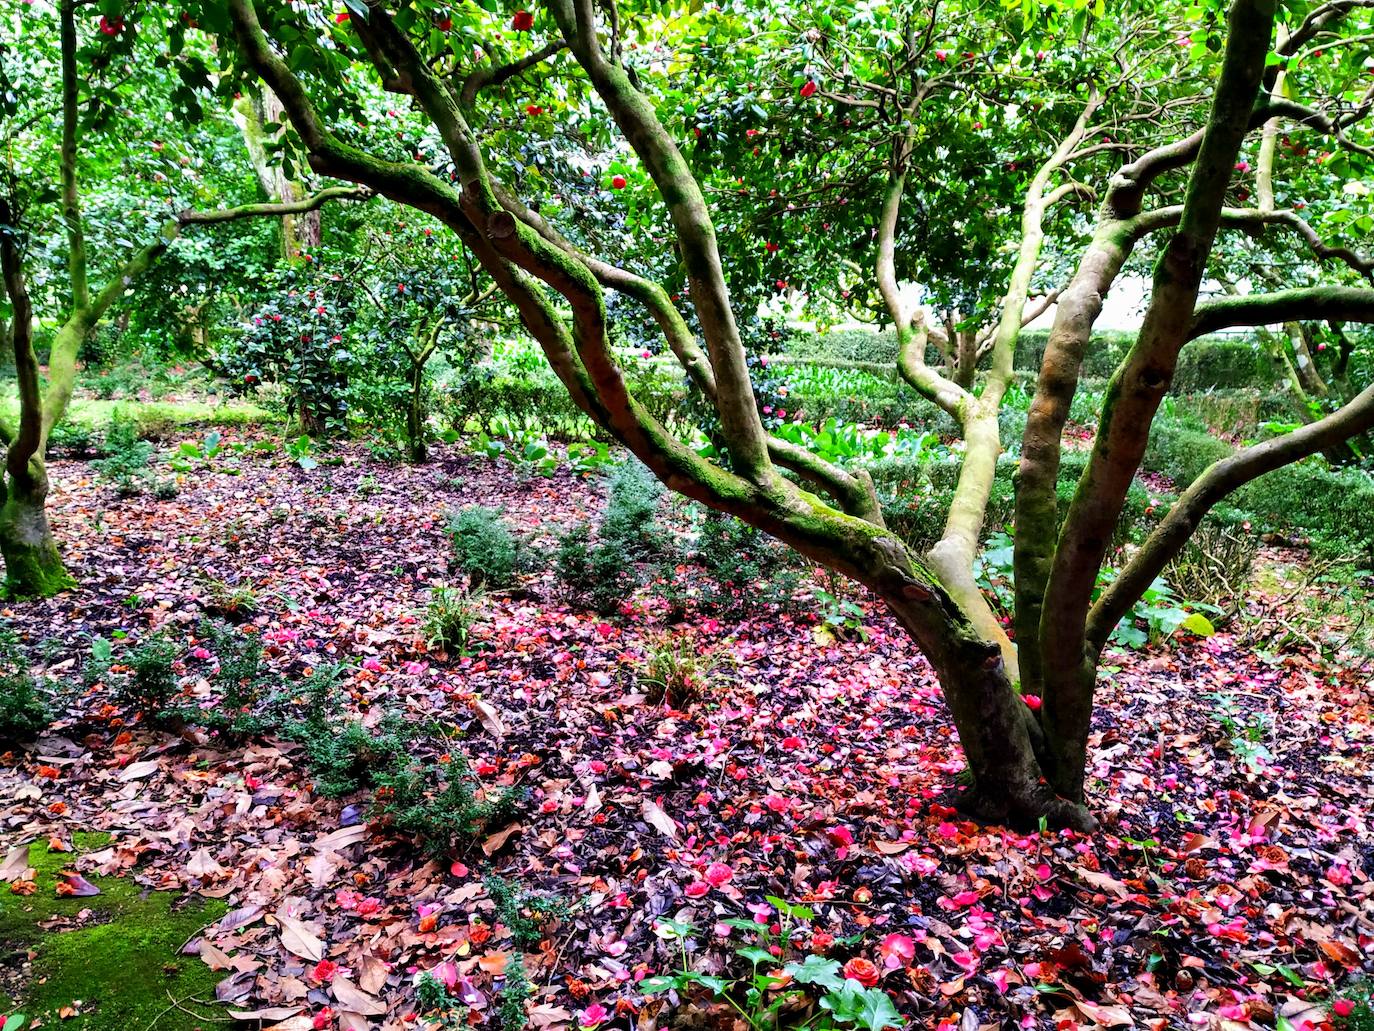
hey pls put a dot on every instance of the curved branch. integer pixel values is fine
(488, 75)
(1220, 479)
(298, 207)
(1302, 304)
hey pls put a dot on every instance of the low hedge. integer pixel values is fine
(1333, 507)
(1211, 363)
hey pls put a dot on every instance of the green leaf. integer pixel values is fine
(1199, 625)
(816, 970)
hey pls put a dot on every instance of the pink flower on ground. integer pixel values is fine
(718, 874)
(696, 889)
(1032, 701)
(897, 950)
(594, 1015)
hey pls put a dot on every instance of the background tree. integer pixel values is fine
(91, 74)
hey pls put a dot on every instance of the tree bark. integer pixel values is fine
(33, 566)
(996, 729)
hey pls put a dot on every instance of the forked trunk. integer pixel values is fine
(33, 567)
(1001, 739)
(415, 417)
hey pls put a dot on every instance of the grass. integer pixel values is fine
(96, 414)
(121, 963)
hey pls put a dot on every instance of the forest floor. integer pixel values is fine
(1224, 890)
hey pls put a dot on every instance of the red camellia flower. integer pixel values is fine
(111, 26)
(325, 970)
(533, 109)
(1342, 1007)
(444, 24)
(718, 874)
(808, 89)
(861, 970)
(323, 1019)
(523, 21)
(1032, 701)
(619, 182)
(341, 17)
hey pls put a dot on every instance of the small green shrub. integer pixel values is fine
(238, 675)
(437, 1004)
(24, 711)
(744, 565)
(347, 758)
(438, 803)
(127, 465)
(524, 913)
(484, 547)
(604, 571)
(151, 682)
(73, 440)
(516, 991)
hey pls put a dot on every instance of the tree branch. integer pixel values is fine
(1305, 303)
(1220, 479)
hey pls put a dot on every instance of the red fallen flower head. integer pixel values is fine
(523, 21)
(1032, 701)
(1342, 1007)
(323, 1019)
(861, 970)
(718, 874)
(808, 89)
(325, 970)
(619, 182)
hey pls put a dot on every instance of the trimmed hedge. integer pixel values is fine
(1334, 507)
(916, 496)
(1210, 363)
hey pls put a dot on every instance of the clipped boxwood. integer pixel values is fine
(1222, 363)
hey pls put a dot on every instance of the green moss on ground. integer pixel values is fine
(122, 963)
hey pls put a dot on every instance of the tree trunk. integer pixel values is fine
(33, 567)
(1002, 741)
(415, 416)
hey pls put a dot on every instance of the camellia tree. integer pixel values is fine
(1025, 765)
(92, 63)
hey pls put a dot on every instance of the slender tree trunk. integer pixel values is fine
(415, 416)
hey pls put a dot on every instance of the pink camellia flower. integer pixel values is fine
(791, 743)
(1242, 166)
(947, 830)
(718, 874)
(1339, 875)
(696, 889)
(1342, 1007)
(1032, 701)
(324, 971)
(323, 1019)
(200, 653)
(897, 950)
(863, 971)
(594, 1015)
(369, 906)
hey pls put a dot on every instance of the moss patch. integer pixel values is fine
(120, 960)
